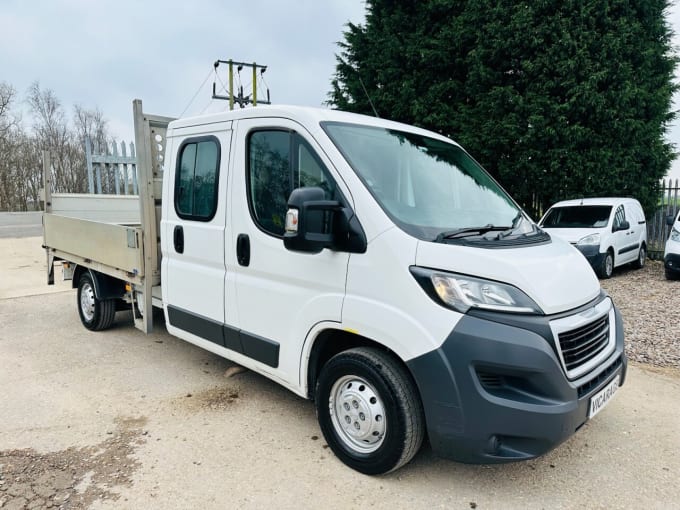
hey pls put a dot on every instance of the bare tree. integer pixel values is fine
(7, 121)
(7, 147)
(53, 134)
(21, 149)
(90, 123)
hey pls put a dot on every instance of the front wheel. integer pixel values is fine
(369, 410)
(95, 314)
(607, 267)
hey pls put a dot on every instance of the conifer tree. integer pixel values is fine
(556, 98)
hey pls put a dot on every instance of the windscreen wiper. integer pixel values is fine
(515, 223)
(467, 232)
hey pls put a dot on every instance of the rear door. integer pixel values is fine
(194, 214)
(280, 294)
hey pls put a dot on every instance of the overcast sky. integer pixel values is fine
(106, 53)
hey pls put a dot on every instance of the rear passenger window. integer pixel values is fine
(278, 163)
(196, 179)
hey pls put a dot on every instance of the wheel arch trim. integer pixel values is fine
(105, 286)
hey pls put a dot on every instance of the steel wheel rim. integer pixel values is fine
(609, 265)
(642, 256)
(87, 301)
(357, 413)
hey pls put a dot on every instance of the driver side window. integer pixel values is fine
(278, 162)
(619, 218)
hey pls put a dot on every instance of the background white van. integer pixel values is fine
(671, 255)
(609, 232)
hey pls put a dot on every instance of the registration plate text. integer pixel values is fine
(602, 397)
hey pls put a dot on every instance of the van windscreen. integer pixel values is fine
(430, 187)
(578, 216)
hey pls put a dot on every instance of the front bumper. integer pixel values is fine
(495, 391)
(592, 255)
(671, 262)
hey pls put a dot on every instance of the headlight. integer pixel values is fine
(592, 239)
(464, 292)
(675, 235)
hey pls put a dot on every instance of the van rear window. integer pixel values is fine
(578, 216)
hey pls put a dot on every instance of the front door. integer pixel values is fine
(625, 242)
(193, 267)
(281, 294)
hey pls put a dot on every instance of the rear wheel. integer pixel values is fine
(369, 410)
(95, 314)
(642, 256)
(607, 267)
(671, 275)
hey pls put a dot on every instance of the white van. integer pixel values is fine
(609, 232)
(370, 266)
(671, 254)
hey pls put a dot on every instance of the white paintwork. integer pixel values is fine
(292, 297)
(385, 303)
(554, 275)
(281, 294)
(609, 240)
(673, 247)
(194, 280)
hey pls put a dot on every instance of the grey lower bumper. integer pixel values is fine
(671, 263)
(592, 255)
(496, 392)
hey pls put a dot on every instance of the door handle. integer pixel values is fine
(178, 238)
(243, 249)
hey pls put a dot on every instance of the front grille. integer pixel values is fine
(582, 344)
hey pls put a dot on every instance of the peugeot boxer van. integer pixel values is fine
(370, 266)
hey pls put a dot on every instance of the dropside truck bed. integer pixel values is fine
(114, 237)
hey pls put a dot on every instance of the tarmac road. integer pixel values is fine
(120, 419)
(20, 224)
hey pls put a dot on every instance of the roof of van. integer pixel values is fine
(305, 115)
(595, 201)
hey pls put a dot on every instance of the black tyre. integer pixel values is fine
(369, 410)
(642, 257)
(95, 314)
(607, 267)
(671, 275)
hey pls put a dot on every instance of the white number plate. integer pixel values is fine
(602, 397)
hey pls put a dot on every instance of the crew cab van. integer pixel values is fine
(609, 232)
(671, 254)
(370, 266)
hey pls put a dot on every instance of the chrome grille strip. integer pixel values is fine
(585, 339)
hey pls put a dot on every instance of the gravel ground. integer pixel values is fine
(650, 305)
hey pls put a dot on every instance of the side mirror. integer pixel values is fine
(313, 223)
(670, 219)
(624, 225)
